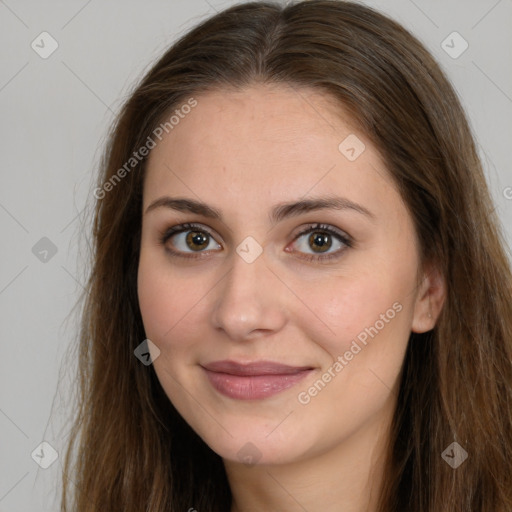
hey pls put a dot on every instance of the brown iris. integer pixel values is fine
(197, 240)
(320, 242)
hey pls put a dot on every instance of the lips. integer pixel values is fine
(253, 381)
(256, 368)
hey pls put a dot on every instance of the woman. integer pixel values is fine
(293, 227)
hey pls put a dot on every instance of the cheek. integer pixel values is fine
(163, 298)
(370, 316)
(155, 302)
(173, 305)
(360, 307)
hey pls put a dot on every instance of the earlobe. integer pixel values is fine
(429, 300)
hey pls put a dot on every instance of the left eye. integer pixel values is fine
(319, 240)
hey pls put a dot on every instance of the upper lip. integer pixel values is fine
(253, 368)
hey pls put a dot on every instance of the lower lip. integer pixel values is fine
(253, 387)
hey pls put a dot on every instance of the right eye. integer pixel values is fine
(187, 239)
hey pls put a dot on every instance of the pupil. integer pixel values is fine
(197, 240)
(320, 240)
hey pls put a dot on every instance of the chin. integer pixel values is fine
(250, 443)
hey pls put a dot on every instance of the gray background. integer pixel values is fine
(54, 115)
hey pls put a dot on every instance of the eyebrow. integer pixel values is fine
(278, 213)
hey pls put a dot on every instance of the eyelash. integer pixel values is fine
(324, 228)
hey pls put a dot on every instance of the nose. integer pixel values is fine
(249, 301)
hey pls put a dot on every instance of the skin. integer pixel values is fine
(243, 153)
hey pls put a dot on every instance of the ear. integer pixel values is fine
(429, 300)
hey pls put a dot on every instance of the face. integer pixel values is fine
(278, 274)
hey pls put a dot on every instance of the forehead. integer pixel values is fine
(263, 143)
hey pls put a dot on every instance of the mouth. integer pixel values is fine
(253, 381)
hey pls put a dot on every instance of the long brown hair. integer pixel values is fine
(133, 451)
